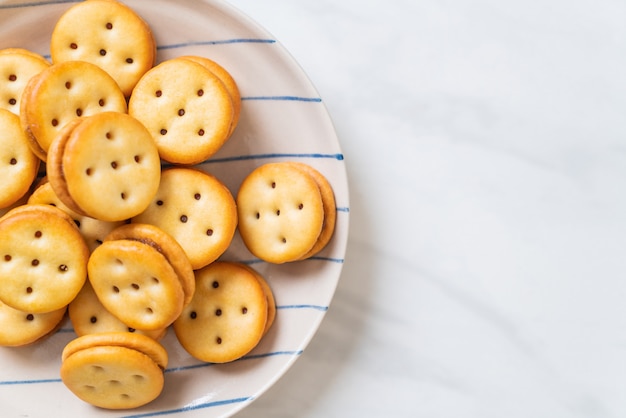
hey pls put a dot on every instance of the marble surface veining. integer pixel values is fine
(485, 143)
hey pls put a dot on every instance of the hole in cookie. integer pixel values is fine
(101, 102)
(109, 25)
(131, 329)
(79, 112)
(158, 93)
(7, 257)
(125, 396)
(209, 232)
(68, 85)
(109, 135)
(155, 280)
(89, 171)
(163, 131)
(200, 92)
(114, 382)
(38, 234)
(12, 77)
(13, 161)
(284, 240)
(301, 206)
(12, 101)
(201, 132)
(103, 52)
(129, 60)
(218, 340)
(244, 310)
(29, 290)
(159, 203)
(97, 368)
(137, 158)
(55, 122)
(118, 261)
(135, 286)
(30, 317)
(113, 165)
(73, 45)
(34, 263)
(123, 196)
(278, 212)
(93, 319)
(77, 223)
(183, 218)
(116, 289)
(193, 315)
(138, 377)
(197, 196)
(181, 112)
(218, 312)
(215, 284)
(63, 268)
(273, 185)
(149, 311)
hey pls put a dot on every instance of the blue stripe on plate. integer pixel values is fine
(272, 156)
(36, 3)
(193, 407)
(217, 42)
(285, 98)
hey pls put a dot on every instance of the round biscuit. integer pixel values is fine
(18, 164)
(17, 66)
(43, 262)
(93, 230)
(166, 245)
(189, 117)
(330, 208)
(195, 208)
(108, 34)
(18, 328)
(112, 377)
(82, 88)
(227, 316)
(227, 79)
(136, 283)
(280, 212)
(108, 165)
(89, 316)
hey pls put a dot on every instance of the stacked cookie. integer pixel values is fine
(134, 248)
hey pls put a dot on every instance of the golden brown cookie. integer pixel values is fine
(114, 370)
(136, 283)
(108, 34)
(61, 93)
(226, 78)
(227, 317)
(43, 262)
(17, 66)
(18, 328)
(195, 208)
(105, 166)
(89, 316)
(93, 230)
(281, 212)
(18, 164)
(189, 117)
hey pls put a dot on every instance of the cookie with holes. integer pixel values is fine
(227, 317)
(189, 117)
(114, 370)
(44, 259)
(195, 208)
(18, 164)
(17, 67)
(280, 212)
(229, 82)
(61, 93)
(93, 230)
(18, 328)
(89, 316)
(108, 34)
(105, 166)
(137, 279)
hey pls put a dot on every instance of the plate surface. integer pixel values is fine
(282, 118)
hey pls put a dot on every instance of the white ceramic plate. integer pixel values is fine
(283, 118)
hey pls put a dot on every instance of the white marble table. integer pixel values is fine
(486, 148)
